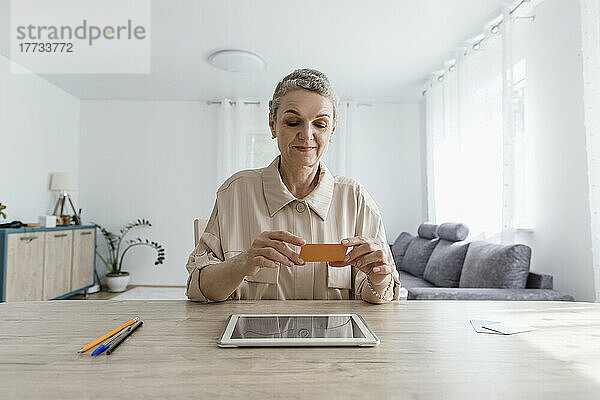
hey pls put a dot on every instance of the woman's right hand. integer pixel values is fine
(268, 250)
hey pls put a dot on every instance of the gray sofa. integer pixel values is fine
(438, 264)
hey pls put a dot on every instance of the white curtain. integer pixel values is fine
(225, 142)
(469, 138)
(590, 27)
(336, 158)
(243, 137)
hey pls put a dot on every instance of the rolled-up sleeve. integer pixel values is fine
(370, 224)
(207, 252)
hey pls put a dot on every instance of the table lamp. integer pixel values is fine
(63, 182)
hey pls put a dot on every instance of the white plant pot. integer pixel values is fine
(117, 283)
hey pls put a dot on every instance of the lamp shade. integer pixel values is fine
(63, 181)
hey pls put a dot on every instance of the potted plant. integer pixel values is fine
(2, 213)
(116, 278)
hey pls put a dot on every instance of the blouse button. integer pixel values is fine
(300, 207)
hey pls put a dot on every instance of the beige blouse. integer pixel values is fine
(256, 200)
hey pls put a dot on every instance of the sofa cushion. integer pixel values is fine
(490, 265)
(410, 281)
(417, 254)
(399, 247)
(453, 231)
(435, 293)
(445, 264)
(427, 231)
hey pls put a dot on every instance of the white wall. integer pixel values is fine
(152, 160)
(561, 239)
(386, 159)
(39, 134)
(156, 160)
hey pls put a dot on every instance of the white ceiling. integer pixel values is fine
(371, 50)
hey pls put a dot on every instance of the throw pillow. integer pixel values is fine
(453, 231)
(490, 265)
(399, 247)
(445, 264)
(417, 254)
(427, 231)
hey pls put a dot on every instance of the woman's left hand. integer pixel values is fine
(369, 256)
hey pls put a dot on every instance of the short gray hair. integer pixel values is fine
(305, 78)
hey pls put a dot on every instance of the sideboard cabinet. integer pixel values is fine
(46, 263)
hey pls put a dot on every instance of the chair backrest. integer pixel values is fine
(199, 227)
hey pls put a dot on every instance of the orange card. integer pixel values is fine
(323, 252)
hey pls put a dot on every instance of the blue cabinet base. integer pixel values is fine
(4, 232)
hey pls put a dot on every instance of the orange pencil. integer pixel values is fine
(103, 338)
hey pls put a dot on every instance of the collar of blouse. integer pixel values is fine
(278, 195)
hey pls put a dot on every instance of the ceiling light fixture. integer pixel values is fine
(237, 60)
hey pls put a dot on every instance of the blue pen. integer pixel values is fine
(106, 344)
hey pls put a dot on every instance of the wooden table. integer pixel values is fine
(428, 350)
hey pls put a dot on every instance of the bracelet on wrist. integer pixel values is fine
(387, 288)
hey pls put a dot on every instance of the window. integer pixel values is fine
(260, 148)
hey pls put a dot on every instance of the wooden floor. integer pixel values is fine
(106, 295)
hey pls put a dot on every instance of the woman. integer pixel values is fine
(250, 248)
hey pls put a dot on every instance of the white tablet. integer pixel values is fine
(254, 330)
